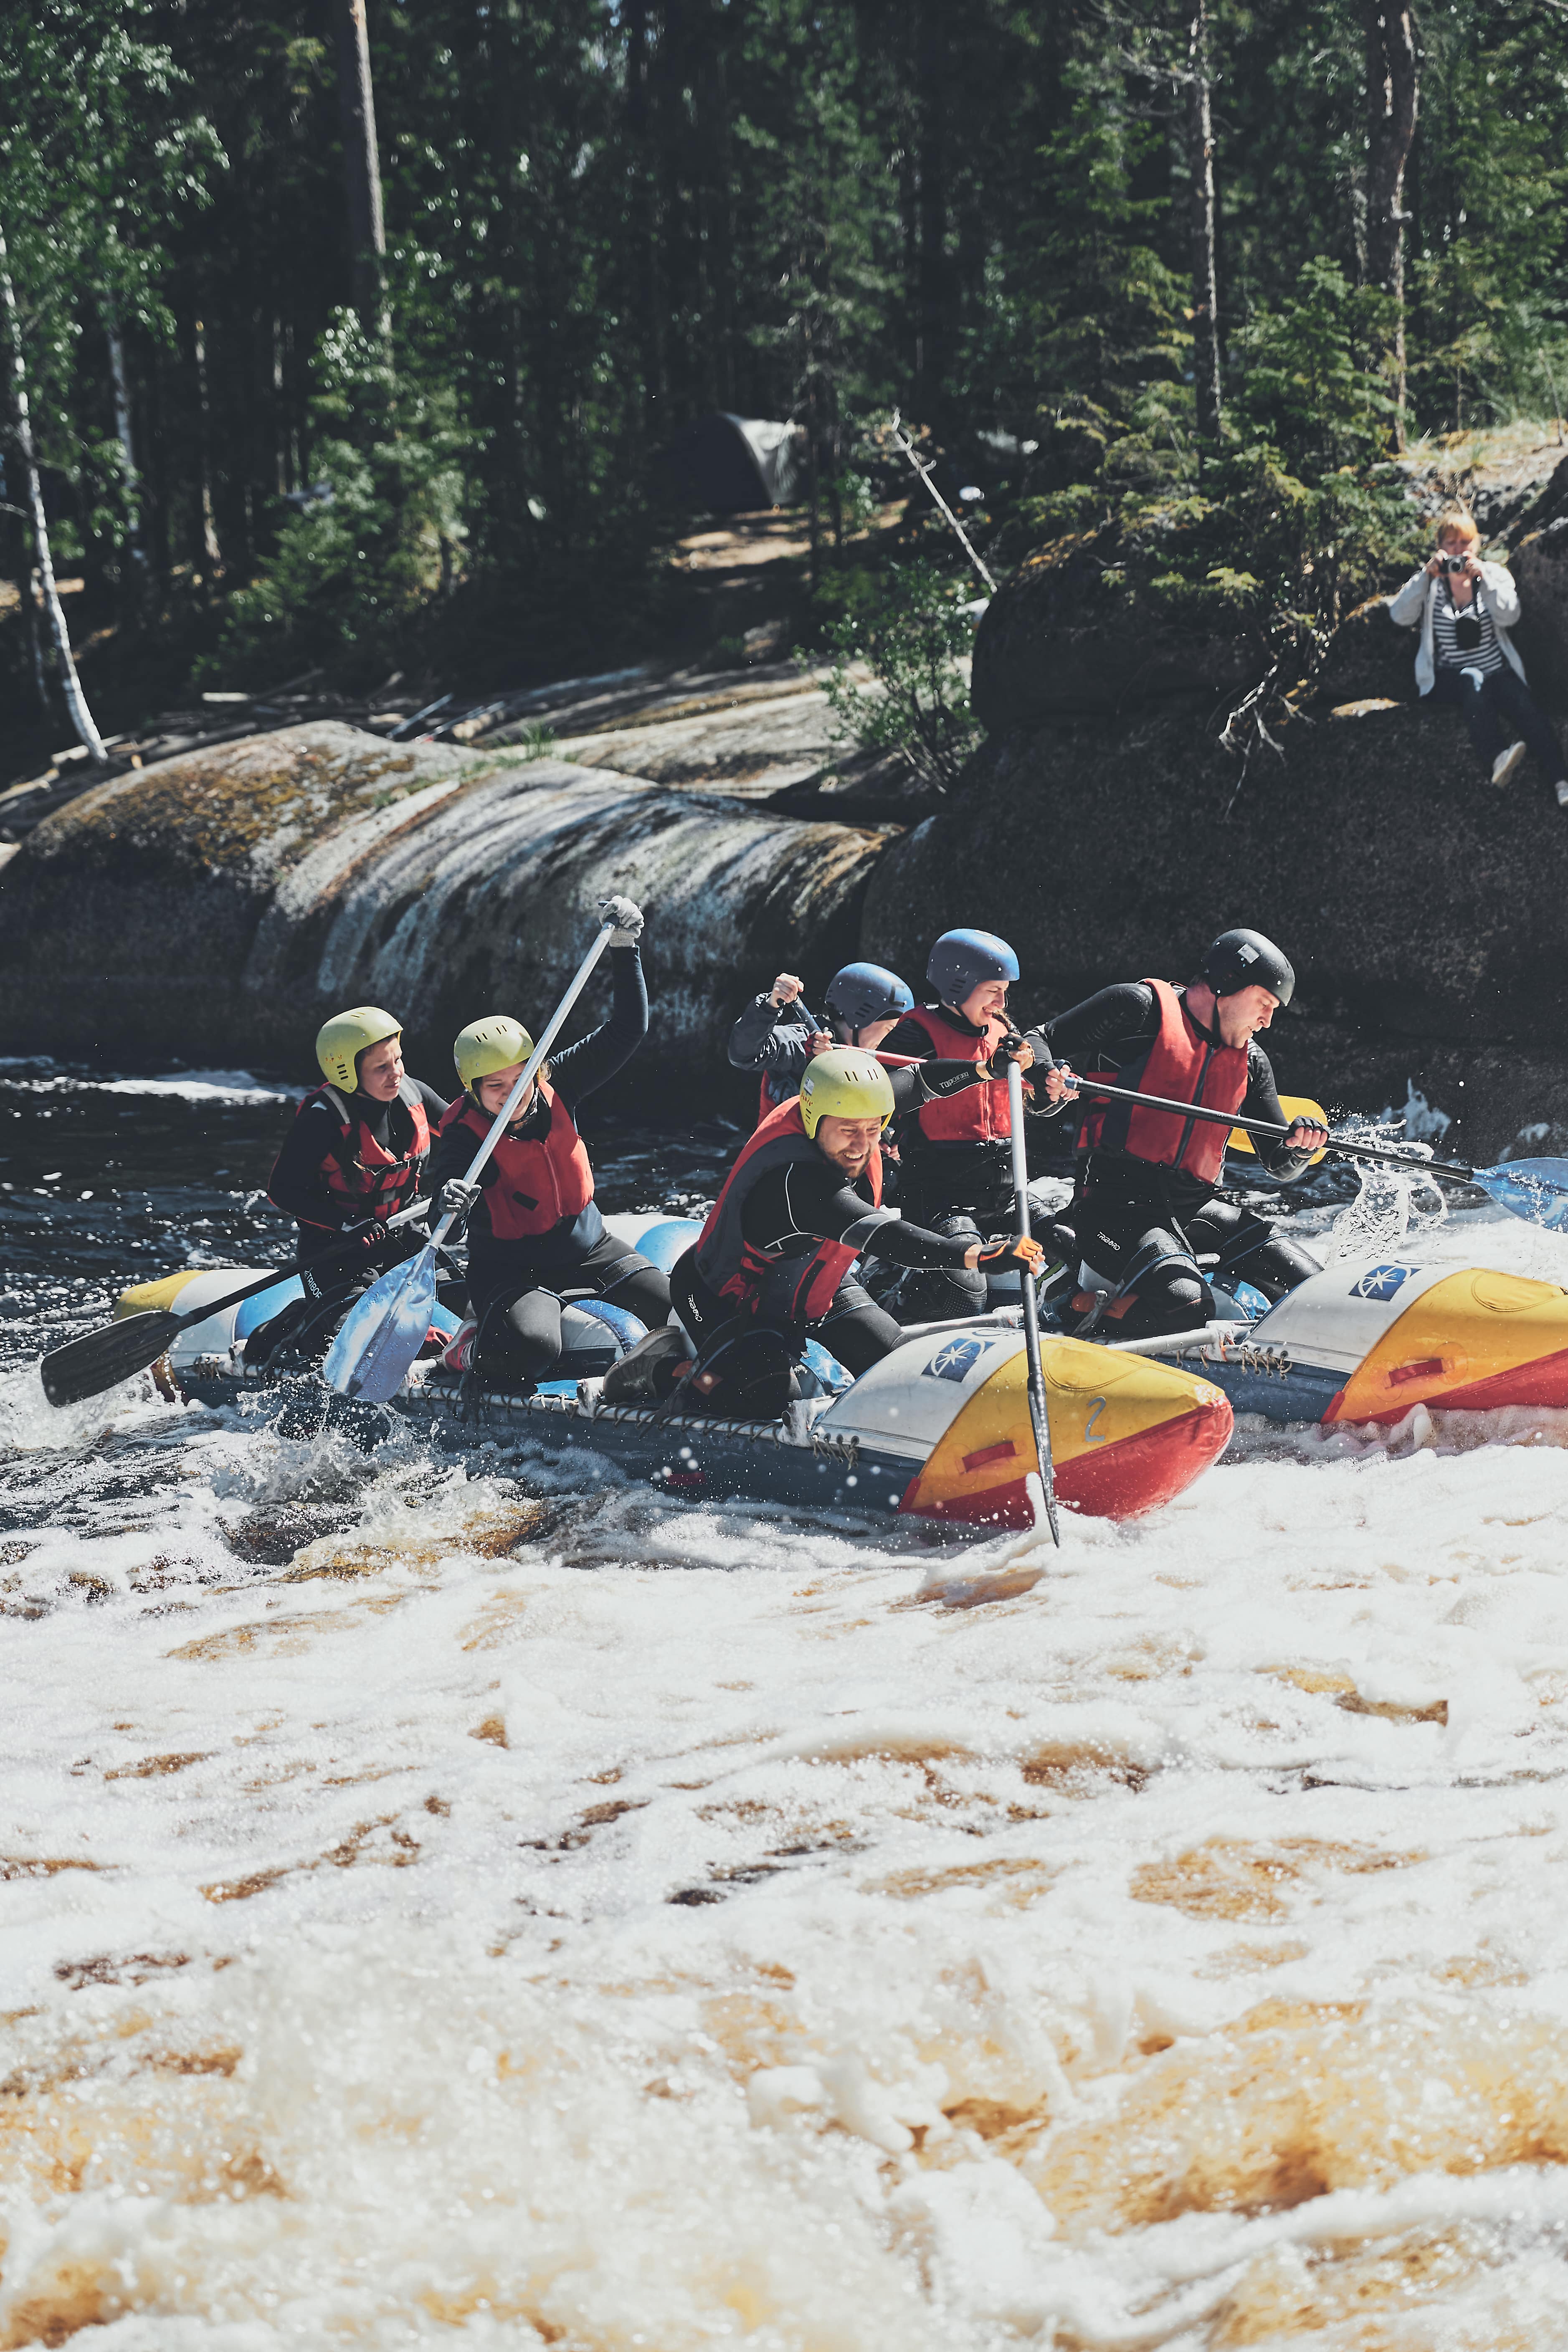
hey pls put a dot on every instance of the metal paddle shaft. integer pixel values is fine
(383, 1331)
(1533, 1190)
(100, 1359)
(1038, 1412)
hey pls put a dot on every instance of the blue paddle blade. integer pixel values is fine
(1535, 1189)
(383, 1332)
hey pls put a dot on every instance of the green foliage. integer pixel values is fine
(1313, 382)
(909, 626)
(353, 567)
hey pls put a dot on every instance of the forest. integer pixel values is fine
(343, 336)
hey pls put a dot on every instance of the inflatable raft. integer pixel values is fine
(1371, 1338)
(938, 1431)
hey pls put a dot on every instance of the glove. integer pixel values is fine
(1011, 1256)
(626, 916)
(369, 1235)
(1001, 1053)
(456, 1199)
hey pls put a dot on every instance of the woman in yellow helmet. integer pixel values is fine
(356, 1151)
(535, 1234)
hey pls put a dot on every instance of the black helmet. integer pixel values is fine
(1247, 959)
(866, 992)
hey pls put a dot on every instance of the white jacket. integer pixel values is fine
(1414, 606)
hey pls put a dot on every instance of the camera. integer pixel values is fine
(1453, 562)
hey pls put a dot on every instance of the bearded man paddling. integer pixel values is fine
(803, 1200)
(1146, 1203)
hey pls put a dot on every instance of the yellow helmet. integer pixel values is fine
(845, 1083)
(348, 1034)
(489, 1045)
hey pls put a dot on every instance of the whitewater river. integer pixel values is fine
(476, 1906)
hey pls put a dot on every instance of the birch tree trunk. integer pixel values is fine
(76, 700)
(212, 553)
(1393, 96)
(362, 167)
(1201, 228)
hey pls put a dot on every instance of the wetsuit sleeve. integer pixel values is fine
(298, 1184)
(929, 1081)
(770, 1039)
(585, 1067)
(1126, 1014)
(817, 1201)
(1263, 1102)
(434, 1108)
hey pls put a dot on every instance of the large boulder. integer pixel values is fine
(220, 906)
(1421, 907)
(1540, 566)
(1069, 634)
(1368, 659)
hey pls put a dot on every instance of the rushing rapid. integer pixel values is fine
(489, 1904)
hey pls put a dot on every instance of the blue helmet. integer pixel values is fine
(866, 992)
(961, 960)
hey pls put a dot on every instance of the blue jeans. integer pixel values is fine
(1503, 696)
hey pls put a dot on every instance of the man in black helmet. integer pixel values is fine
(1145, 1207)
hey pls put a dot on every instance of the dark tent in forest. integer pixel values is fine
(732, 465)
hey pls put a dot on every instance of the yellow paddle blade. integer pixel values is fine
(1293, 1107)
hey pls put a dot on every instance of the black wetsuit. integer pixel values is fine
(516, 1286)
(801, 1204)
(1141, 1227)
(961, 1188)
(774, 1041)
(299, 1185)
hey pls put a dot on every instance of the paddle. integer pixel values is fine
(100, 1359)
(1535, 1189)
(385, 1330)
(1039, 1413)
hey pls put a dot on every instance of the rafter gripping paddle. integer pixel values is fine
(1535, 1189)
(385, 1330)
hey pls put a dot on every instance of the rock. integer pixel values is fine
(1062, 635)
(220, 906)
(752, 746)
(865, 787)
(1539, 565)
(1421, 907)
(1368, 659)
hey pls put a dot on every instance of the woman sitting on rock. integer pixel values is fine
(535, 1234)
(1464, 609)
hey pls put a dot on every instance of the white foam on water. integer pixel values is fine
(200, 1086)
(507, 1915)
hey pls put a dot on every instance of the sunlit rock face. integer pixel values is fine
(226, 902)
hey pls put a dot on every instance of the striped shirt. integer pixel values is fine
(1465, 638)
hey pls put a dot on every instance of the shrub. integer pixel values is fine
(915, 630)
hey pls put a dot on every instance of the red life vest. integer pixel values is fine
(729, 1264)
(362, 1173)
(1185, 1065)
(537, 1183)
(977, 1114)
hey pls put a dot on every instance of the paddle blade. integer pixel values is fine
(100, 1359)
(1535, 1189)
(383, 1332)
